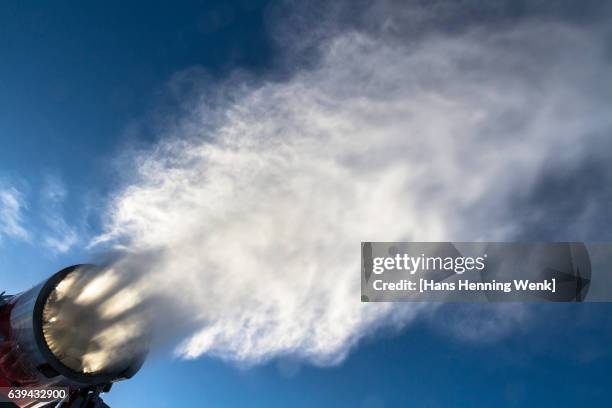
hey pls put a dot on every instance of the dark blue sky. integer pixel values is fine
(80, 76)
(76, 84)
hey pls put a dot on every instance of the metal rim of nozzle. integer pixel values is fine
(80, 377)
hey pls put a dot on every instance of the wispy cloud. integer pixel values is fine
(42, 225)
(12, 206)
(59, 236)
(258, 215)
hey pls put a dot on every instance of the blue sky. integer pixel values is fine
(83, 88)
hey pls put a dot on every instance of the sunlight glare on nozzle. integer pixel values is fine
(97, 288)
(120, 303)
